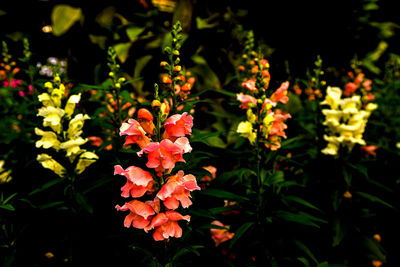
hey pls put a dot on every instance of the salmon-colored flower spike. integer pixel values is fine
(178, 125)
(135, 133)
(138, 182)
(163, 155)
(139, 214)
(280, 94)
(177, 189)
(250, 85)
(246, 100)
(220, 235)
(166, 225)
(145, 119)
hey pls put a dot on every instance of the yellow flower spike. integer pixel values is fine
(48, 86)
(85, 160)
(5, 176)
(350, 105)
(62, 89)
(57, 79)
(251, 117)
(332, 98)
(45, 99)
(48, 140)
(72, 147)
(52, 117)
(71, 103)
(75, 125)
(49, 163)
(245, 129)
(371, 107)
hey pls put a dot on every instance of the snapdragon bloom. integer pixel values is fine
(177, 189)
(139, 214)
(220, 235)
(166, 225)
(278, 126)
(135, 133)
(163, 155)
(250, 85)
(246, 100)
(138, 182)
(280, 94)
(178, 125)
(146, 121)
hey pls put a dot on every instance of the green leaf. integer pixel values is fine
(301, 201)
(134, 32)
(240, 232)
(122, 50)
(275, 178)
(340, 233)
(304, 261)
(306, 250)
(45, 186)
(9, 198)
(375, 248)
(7, 207)
(82, 201)
(323, 264)
(220, 210)
(63, 17)
(296, 218)
(201, 213)
(202, 24)
(213, 226)
(222, 194)
(50, 205)
(374, 199)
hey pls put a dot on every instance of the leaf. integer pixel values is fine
(340, 232)
(63, 17)
(306, 250)
(239, 174)
(220, 210)
(304, 261)
(301, 201)
(222, 194)
(82, 201)
(134, 32)
(50, 205)
(240, 232)
(275, 178)
(45, 186)
(374, 199)
(7, 207)
(9, 198)
(201, 213)
(213, 226)
(202, 24)
(297, 218)
(323, 264)
(122, 50)
(374, 247)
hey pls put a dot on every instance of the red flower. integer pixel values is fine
(349, 89)
(177, 189)
(245, 100)
(179, 125)
(139, 213)
(278, 126)
(166, 225)
(138, 181)
(135, 133)
(212, 170)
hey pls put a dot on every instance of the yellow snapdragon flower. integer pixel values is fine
(49, 139)
(72, 147)
(49, 163)
(5, 175)
(71, 103)
(75, 125)
(85, 160)
(52, 117)
(332, 98)
(245, 129)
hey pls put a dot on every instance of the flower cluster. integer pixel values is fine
(264, 122)
(56, 137)
(168, 190)
(359, 83)
(345, 120)
(52, 66)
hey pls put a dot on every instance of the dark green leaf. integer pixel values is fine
(222, 194)
(45, 186)
(240, 232)
(374, 199)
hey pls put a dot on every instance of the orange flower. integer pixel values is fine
(139, 214)
(177, 189)
(246, 100)
(280, 94)
(166, 225)
(145, 119)
(278, 126)
(135, 133)
(376, 263)
(163, 155)
(250, 85)
(220, 235)
(178, 125)
(95, 140)
(212, 170)
(138, 181)
(369, 150)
